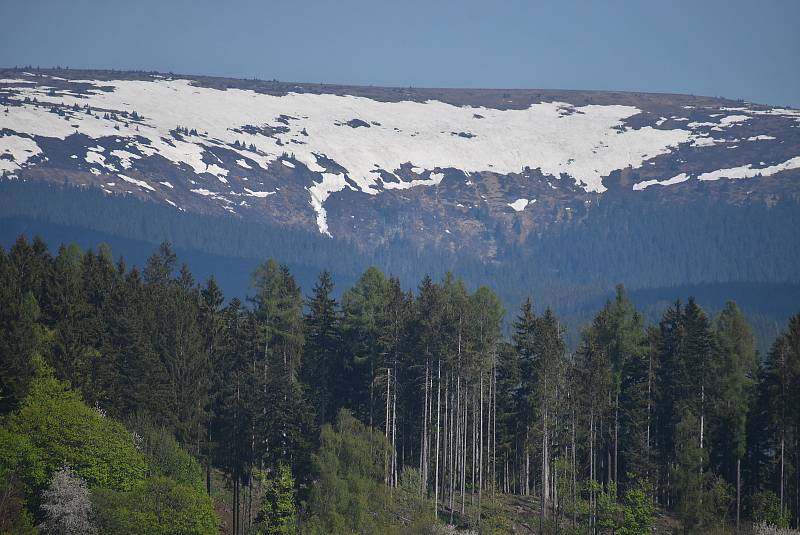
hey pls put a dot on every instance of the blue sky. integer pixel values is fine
(731, 48)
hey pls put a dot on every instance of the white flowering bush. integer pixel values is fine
(66, 505)
(768, 529)
(450, 529)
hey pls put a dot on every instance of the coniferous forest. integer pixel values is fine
(140, 400)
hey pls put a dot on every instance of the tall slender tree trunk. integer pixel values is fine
(237, 461)
(545, 455)
(782, 470)
(386, 460)
(738, 491)
(236, 504)
(480, 454)
(394, 432)
(464, 453)
(208, 461)
(494, 421)
(423, 467)
(616, 434)
(592, 467)
(457, 441)
(797, 478)
(445, 441)
(574, 472)
(702, 412)
(545, 468)
(438, 422)
(527, 482)
(371, 393)
(474, 444)
(649, 401)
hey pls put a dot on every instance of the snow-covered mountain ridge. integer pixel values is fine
(339, 160)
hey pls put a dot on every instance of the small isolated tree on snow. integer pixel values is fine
(66, 505)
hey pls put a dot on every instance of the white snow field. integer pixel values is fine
(21, 149)
(586, 143)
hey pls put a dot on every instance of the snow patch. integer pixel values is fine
(125, 157)
(748, 171)
(433, 180)
(320, 191)
(217, 171)
(259, 194)
(204, 192)
(677, 179)
(140, 183)
(19, 149)
(520, 204)
(94, 156)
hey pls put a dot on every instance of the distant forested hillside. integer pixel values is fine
(143, 400)
(712, 250)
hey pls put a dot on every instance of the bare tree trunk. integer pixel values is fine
(474, 445)
(782, 469)
(574, 470)
(236, 504)
(738, 491)
(386, 467)
(464, 453)
(649, 401)
(527, 483)
(250, 500)
(488, 471)
(797, 479)
(494, 421)
(453, 450)
(592, 467)
(457, 441)
(702, 412)
(445, 441)
(554, 494)
(371, 393)
(616, 434)
(438, 423)
(480, 455)
(424, 451)
(545, 457)
(394, 433)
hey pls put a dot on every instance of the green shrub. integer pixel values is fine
(765, 508)
(348, 495)
(165, 457)
(159, 507)
(638, 511)
(54, 427)
(278, 512)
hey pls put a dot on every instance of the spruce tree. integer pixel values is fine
(737, 365)
(324, 368)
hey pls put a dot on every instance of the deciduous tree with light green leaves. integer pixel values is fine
(348, 495)
(64, 430)
(278, 512)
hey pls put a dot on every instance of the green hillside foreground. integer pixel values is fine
(138, 400)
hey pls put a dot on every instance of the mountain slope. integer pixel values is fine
(556, 193)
